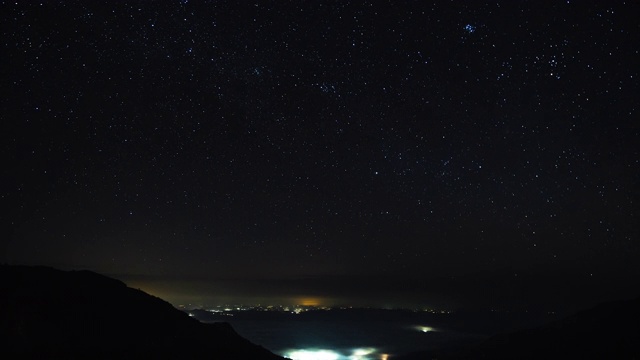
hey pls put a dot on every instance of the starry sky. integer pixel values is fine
(385, 152)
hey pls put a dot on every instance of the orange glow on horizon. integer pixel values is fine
(308, 301)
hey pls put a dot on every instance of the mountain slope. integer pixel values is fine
(608, 331)
(48, 313)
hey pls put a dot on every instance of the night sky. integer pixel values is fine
(385, 152)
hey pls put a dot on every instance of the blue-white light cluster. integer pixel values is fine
(324, 354)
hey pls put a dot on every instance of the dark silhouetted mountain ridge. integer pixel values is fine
(608, 331)
(48, 313)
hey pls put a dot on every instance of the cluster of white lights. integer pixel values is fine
(313, 355)
(424, 329)
(361, 354)
(323, 354)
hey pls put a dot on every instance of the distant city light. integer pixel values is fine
(313, 355)
(360, 354)
(324, 354)
(424, 329)
(308, 301)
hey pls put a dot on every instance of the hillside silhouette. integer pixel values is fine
(48, 313)
(608, 331)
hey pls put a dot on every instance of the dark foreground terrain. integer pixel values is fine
(608, 331)
(47, 313)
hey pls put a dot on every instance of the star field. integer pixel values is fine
(279, 140)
